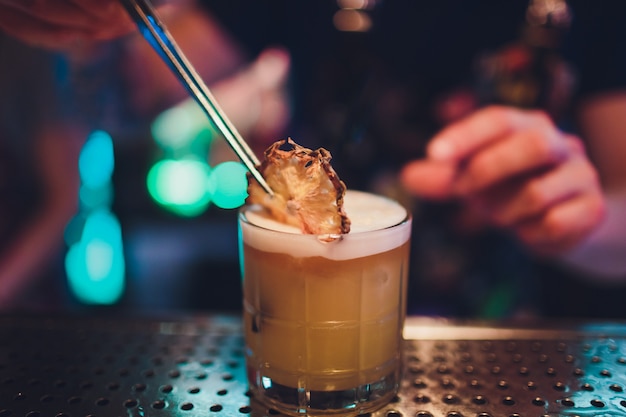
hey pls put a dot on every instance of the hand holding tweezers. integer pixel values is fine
(155, 32)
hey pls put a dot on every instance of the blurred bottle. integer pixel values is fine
(530, 73)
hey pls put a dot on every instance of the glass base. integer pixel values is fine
(298, 402)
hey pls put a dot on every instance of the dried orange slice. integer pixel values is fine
(308, 193)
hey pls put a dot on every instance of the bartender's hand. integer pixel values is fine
(57, 24)
(519, 172)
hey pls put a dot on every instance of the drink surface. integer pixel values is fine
(327, 316)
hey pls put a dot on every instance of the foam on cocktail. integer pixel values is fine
(371, 212)
(367, 212)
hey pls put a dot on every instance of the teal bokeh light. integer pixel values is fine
(91, 198)
(228, 185)
(74, 229)
(96, 161)
(95, 264)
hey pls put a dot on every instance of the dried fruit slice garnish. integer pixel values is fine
(308, 193)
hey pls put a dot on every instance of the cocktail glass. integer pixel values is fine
(323, 315)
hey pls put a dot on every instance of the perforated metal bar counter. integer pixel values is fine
(194, 366)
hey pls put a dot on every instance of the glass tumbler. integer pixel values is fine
(323, 316)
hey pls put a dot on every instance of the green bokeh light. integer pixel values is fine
(182, 129)
(182, 181)
(180, 185)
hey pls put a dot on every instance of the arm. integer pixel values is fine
(603, 122)
(57, 153)
(56, 23)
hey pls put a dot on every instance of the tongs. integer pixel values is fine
(155, 32)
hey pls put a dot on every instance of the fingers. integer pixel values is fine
(109, 18)
(62, 13)
(460, 140)
(33, 30)
(429, 179)
(59, 23)
(518, 201)
(563, 227)
(552, 209)
(492, 147)
(519, 153)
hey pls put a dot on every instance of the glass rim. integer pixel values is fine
(242, 217)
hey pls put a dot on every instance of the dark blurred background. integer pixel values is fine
(106, 129)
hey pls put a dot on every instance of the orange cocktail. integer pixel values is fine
(323, 317)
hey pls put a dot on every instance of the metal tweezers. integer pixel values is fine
(155, 32)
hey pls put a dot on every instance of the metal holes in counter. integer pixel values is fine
(513, 378)
(195, 366)
(80, 368)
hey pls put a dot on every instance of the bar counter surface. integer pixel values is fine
(78, 366)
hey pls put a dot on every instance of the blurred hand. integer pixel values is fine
(519, 172)
(262, 86)
(57, 24)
